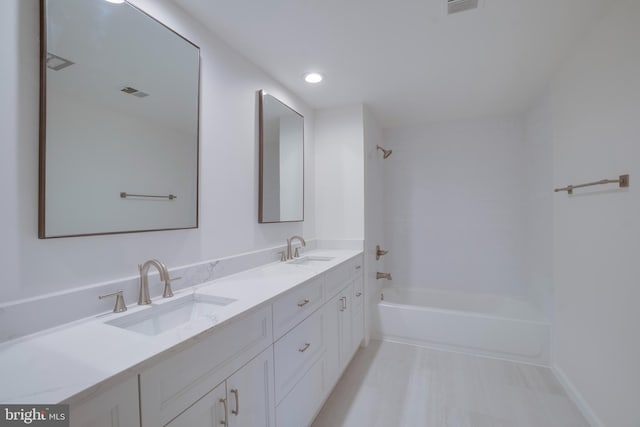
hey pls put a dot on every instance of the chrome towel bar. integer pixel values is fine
(124, 195)
(622, 181)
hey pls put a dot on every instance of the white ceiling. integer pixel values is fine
(406, 59)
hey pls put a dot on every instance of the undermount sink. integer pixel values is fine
(311, 259)
(162, 317)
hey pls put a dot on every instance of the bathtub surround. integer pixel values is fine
(228, 154)
(454, 216)
(590, 113)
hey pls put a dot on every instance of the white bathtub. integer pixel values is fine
(489, 325)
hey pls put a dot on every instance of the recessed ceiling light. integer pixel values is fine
(115, 1)
(313, 77)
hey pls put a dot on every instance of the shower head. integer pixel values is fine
(385, 153)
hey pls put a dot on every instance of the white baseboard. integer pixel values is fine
(576, 397)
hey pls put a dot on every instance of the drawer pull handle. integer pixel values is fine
(224, 404)
(343, 300)
(303, 303)
(304, 347)
(236, 411)
(359, 294)
(358, 267)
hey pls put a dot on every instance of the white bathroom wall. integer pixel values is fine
(454, 206)
(228, 168)
(594, 103)
(339, 154)
(373, 224)
(538, 199)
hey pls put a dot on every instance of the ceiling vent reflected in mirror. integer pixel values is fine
(133, 91)
(456, 6)
(57, 63)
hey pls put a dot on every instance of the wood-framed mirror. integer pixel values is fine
(119, 119)
(281, 139)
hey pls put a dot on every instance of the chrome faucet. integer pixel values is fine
(289, 240)
(143, 291)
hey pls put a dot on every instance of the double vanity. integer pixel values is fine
(263, 347)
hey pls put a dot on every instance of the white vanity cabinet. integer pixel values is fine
(244, 400)
(345, 323)
(174, 384)
(116, 407)
(310, 358)
(273, 365)
(339, 329)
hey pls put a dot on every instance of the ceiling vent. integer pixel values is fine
(57, 63)
(455, 6)
(133, 91)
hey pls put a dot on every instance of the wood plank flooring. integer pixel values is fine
(397, 385)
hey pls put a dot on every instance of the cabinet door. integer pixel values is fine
(357, 315)
(210, 411)
(250, 393)
(346, 333)
(115, 407)
(339, 334)
(332, 329)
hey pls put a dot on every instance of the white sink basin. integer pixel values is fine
(311, 260)
(171, 314)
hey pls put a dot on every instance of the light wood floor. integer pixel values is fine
(397, 385)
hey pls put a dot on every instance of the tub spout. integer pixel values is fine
(383, 276)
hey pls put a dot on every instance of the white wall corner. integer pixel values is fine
(577, 398)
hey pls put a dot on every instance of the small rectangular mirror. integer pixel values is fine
(119, 103)
(281, 161)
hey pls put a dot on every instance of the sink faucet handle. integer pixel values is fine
(167, 292)
(297, 253)
(120, 304)
(283, 256)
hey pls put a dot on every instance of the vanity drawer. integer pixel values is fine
(173, 384)
(292, 308)
(340, 276)
(295, 352)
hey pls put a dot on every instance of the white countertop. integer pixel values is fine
(73, 361)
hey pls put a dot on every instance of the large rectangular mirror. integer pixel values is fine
(119, 112)
(281, 161)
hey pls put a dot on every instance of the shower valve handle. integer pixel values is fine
(380, 252)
